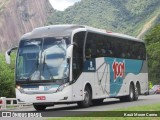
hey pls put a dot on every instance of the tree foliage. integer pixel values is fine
(7, 86)
(153, 49)
(125, 16)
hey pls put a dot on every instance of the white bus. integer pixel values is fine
(78, 64)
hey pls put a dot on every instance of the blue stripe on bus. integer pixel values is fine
(130, 66)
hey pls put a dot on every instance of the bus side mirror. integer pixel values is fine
(8, 53)
(7, 57)
(69, 51)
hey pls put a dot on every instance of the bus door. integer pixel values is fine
(77, 66)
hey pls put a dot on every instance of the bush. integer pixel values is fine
(153, 49)
(7, 84)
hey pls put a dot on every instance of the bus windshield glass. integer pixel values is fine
(42, 59)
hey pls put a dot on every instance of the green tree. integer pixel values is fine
(7, 86)
(153, 49)
(125, 16)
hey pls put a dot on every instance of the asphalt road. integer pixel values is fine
(108, 105)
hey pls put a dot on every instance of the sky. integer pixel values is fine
(61, 5)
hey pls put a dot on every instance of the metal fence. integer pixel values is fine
(9, 103)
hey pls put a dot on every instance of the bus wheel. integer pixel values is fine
(87, 98)
(97, 102)
(40, 107)
(136, 93)
(131, 95)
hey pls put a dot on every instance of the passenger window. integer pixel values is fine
(90, 47)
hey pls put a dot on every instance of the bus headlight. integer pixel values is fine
(20, 88)
(62, 87)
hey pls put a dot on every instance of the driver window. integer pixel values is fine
(78, 54)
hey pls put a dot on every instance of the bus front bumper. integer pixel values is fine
(61, 96)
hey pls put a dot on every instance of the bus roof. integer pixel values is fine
(52, 30)
(67, 29)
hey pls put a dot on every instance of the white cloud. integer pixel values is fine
(61, 5)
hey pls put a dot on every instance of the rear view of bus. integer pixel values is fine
(78, 64)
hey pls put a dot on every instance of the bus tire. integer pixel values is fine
(136, 93)
(40, 107)
(87, 98)
(97, 102)
(131, 95)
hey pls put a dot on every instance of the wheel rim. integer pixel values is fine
(137, 91)
(86, 97)
(131, 93)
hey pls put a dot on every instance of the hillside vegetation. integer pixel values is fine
(148, 25)
(125, 16)
(153, 49)
(7, 84)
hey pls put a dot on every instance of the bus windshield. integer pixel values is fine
(42, 59)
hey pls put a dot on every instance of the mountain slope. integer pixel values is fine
(147, 26)
(18, 17)
(125, 16)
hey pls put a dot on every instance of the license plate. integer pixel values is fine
(41, 98)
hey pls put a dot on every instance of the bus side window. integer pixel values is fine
(89, 50)
(142, 52)
(78, 54)
(76, 64)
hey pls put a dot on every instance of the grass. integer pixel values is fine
(104, 118)
(89, 116)
(153, 107)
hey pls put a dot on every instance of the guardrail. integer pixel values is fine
(8, 103)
